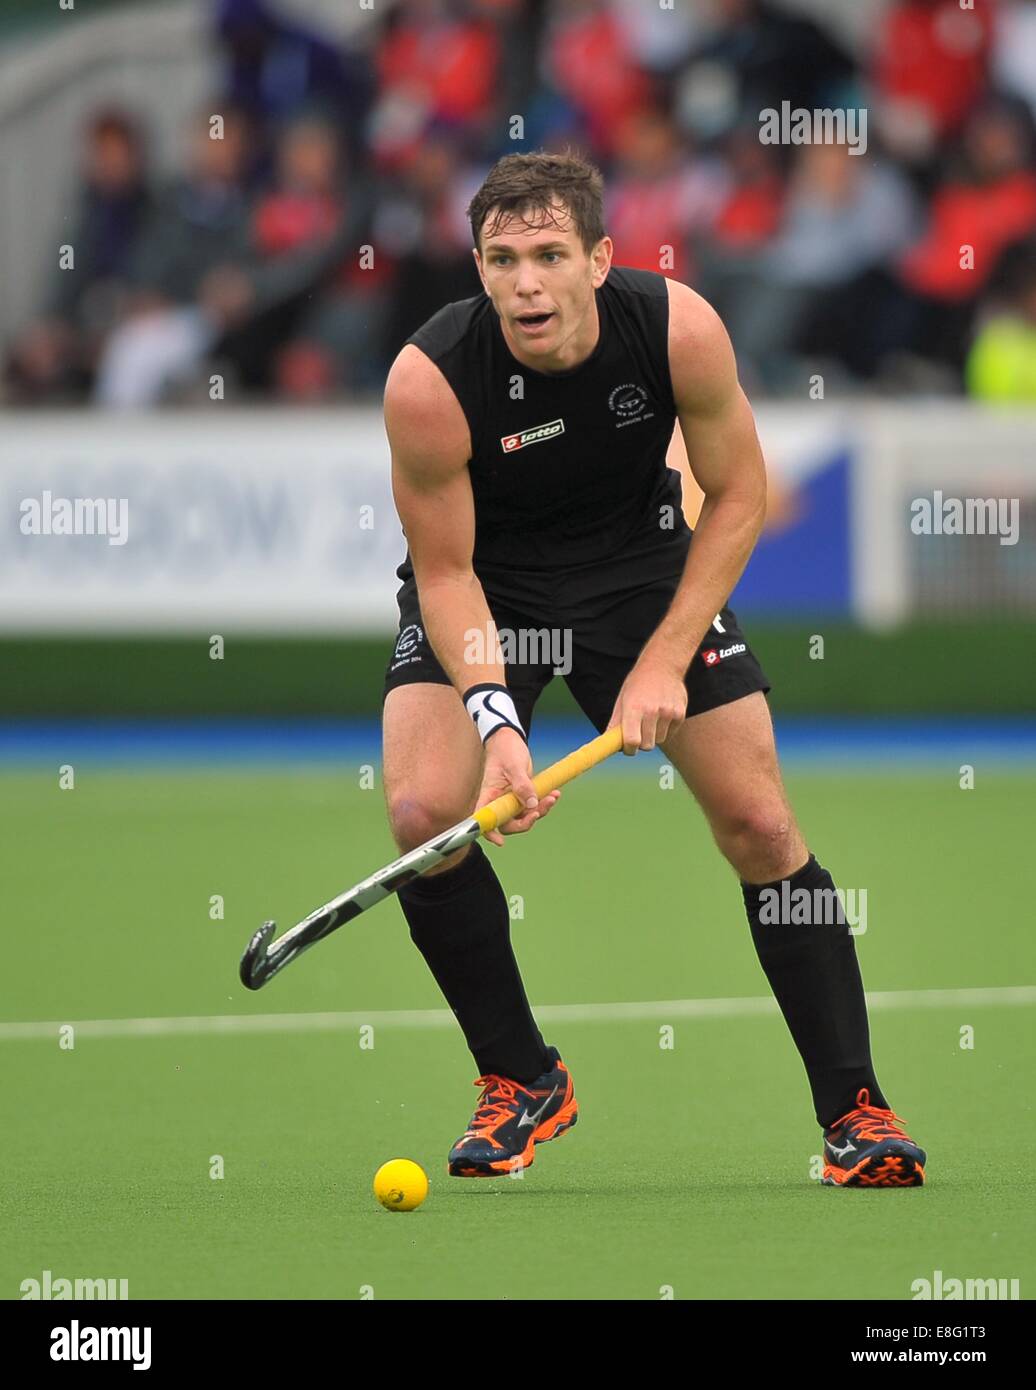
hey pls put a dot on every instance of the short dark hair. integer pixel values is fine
(526, 184)
(113, 120)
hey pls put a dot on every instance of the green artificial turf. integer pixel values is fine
(689, 1168)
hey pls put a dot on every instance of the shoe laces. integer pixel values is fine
(871, 1121)
(495, 1106)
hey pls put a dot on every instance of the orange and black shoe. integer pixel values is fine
(869, 1147)
(511, 1119)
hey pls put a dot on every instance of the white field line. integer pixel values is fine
(665, 1009)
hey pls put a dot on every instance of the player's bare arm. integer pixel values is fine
(726, 462)
(692, 496)
(430, 446)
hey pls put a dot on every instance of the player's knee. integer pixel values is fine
(415, 819)
(757, 840)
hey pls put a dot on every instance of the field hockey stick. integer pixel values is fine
(264, 957)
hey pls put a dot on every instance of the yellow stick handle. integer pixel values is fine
(506, 807)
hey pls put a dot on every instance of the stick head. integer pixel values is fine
(254, 965)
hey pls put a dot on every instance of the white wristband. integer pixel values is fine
(492, 708)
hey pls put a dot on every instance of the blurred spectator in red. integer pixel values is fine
(727, 255)
(984, 206)
(755, 56)
(437, 61)
(921, 307)
(303, 208)
(928, 72)
(277, 70)
(989, 202)
(305, 202)
(751, 210)
(588, 60)
(658, 195)
(56, 355)
(328, 342)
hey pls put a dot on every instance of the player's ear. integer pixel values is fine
(478, 267)
(601, 257)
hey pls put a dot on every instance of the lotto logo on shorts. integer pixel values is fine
(712, 657)
(536, 435)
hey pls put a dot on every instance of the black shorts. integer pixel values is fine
(589, 626)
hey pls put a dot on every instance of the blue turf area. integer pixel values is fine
(861, 743)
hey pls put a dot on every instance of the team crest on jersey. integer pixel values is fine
(629, 402)
(510, 442)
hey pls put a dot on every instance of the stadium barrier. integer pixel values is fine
(129, 543)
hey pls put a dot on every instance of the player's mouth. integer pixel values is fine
(534, 323)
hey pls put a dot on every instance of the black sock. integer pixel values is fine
(815, 976)
(460, 923)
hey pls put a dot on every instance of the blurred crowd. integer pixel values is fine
(321, 218)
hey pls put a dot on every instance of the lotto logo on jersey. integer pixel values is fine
(712, 657)
(536, 435)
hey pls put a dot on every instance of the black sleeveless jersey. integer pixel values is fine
(567, 468)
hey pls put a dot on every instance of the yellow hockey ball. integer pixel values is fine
(400, 1184)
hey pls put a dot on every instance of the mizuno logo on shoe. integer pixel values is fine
(528, 1119)
(841, 1153)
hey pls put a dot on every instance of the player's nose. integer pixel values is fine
(527, 284)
